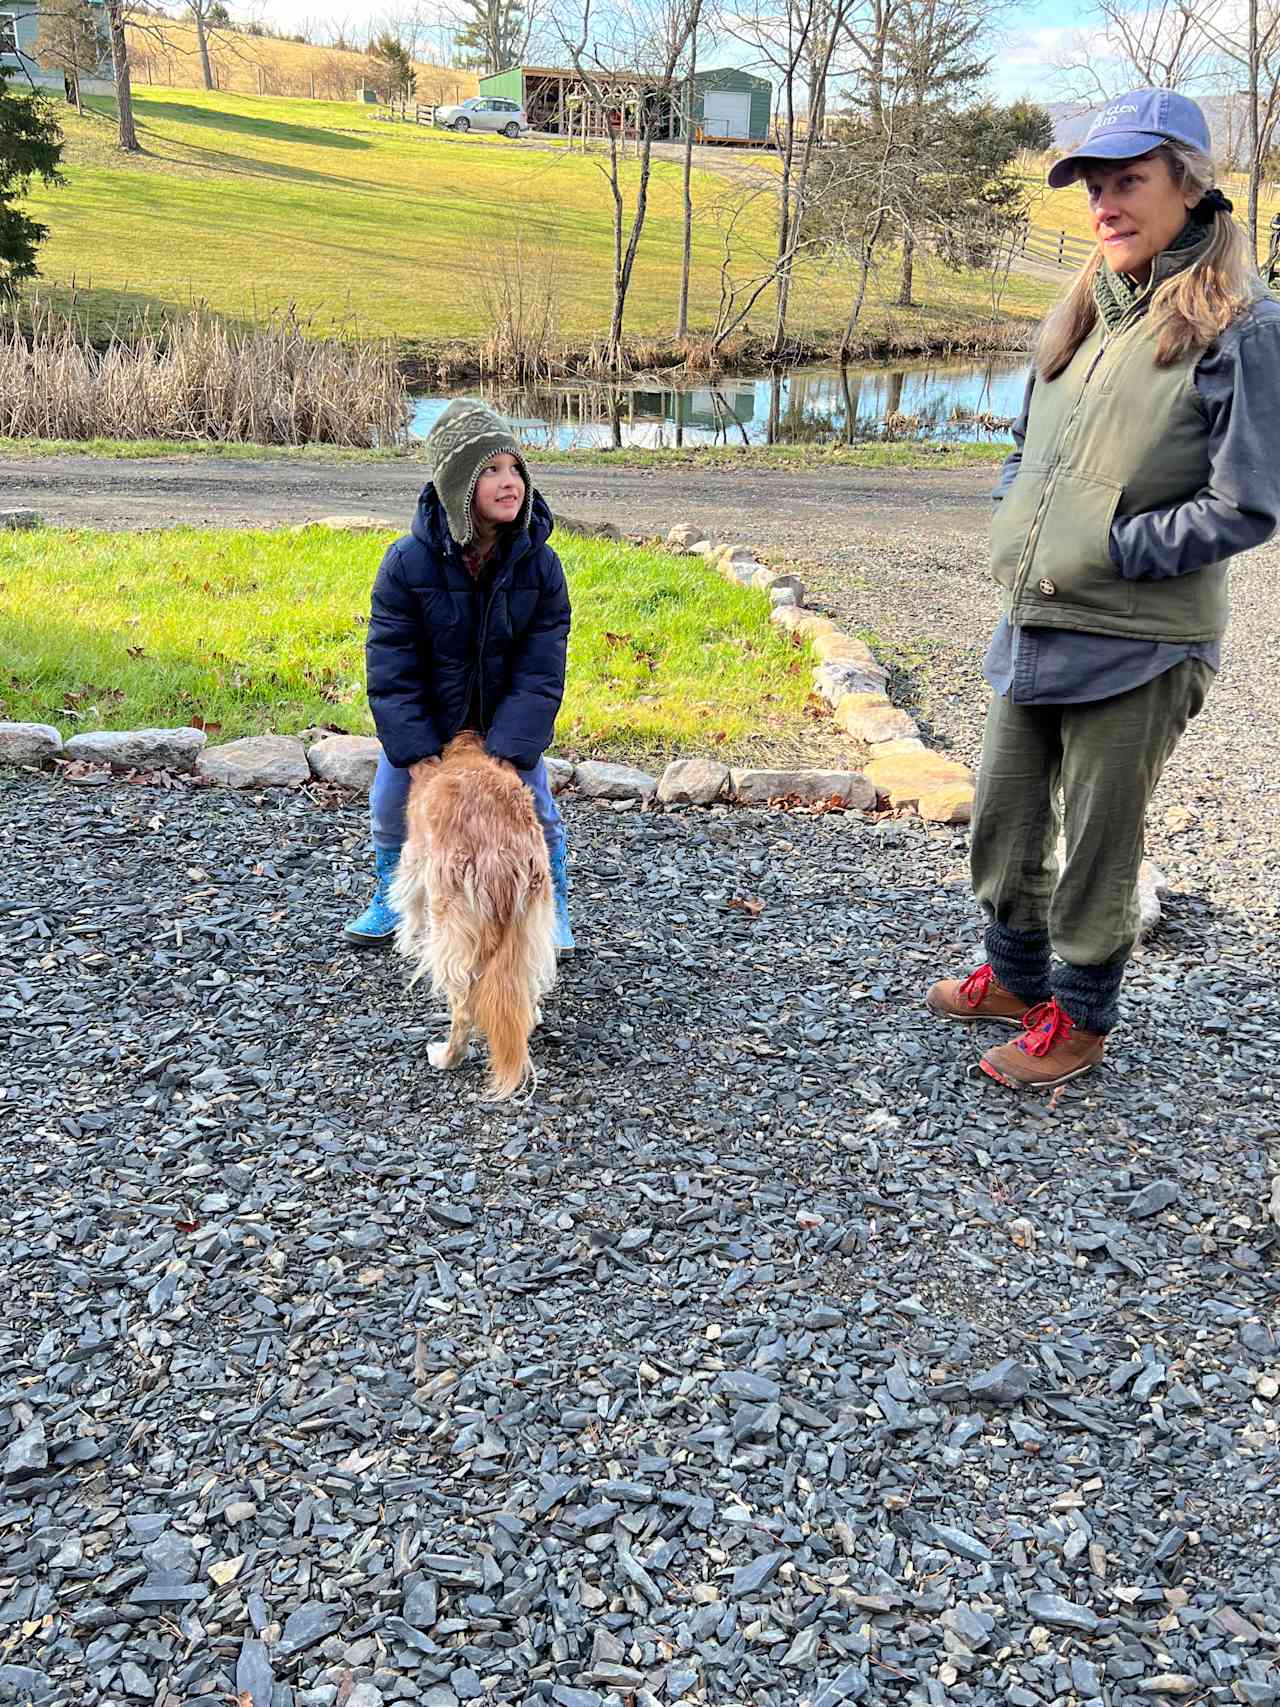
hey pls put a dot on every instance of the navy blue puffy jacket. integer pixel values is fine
(435, 636)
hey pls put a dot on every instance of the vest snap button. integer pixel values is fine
(1048, 589)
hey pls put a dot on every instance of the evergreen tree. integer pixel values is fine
(494, 35)
(392, 59)
(30, 147)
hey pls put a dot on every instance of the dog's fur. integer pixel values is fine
(473, 891)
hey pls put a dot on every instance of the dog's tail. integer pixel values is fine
(504, 996)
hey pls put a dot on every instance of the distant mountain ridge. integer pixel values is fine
(1071, 119)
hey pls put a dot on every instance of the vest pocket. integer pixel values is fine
(1072, 564)
(1011, 523)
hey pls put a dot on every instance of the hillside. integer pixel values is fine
(255, 205)
(166, 56)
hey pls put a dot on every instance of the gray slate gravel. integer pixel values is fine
(695, 1402)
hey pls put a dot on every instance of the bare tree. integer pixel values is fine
(1158, 44)
(1248, 43)
(792, 40)
(686, 181)
(633, 71)
(126, 128)
(70, 41)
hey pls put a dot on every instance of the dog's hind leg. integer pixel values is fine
(457, 1046)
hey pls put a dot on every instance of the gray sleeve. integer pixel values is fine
(1238, 383)
(1011, 464)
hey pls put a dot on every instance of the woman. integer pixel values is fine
(1147, 454)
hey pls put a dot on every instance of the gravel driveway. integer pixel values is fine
(769, 1355)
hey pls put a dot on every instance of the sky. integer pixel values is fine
(1023, 64)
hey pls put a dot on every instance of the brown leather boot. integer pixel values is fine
(976, 997)
(1051, 1050)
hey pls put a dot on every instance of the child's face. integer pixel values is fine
(499, 492)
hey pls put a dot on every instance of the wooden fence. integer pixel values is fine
(1056, 248)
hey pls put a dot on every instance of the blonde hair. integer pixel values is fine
(1189, 310)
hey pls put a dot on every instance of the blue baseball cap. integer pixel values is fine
(1133, 125)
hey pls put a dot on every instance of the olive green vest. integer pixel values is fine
(1113, 435)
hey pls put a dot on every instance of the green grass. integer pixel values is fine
(711, 458)
(251, 632)
(253, 204)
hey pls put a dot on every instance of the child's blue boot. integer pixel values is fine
(376, 926)
(560, 885)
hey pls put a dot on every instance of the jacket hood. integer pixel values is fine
(430, 526)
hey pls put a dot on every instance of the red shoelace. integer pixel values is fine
(976, 985)
(1045, 1025)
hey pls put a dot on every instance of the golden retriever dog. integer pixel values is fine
(473, 891)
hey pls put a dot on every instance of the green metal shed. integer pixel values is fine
(729, 106)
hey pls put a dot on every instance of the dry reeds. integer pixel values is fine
(520, 294)
(197, 378)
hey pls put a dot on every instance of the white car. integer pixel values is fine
(484, 112)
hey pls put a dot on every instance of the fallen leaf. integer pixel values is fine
(747, 904)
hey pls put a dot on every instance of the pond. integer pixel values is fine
(974, 401)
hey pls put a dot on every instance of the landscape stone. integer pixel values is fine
(16, 521)
(870, 717)
(837, 647)
(788, 616)
(28, 743)
(683, 535)
(139, 749)
(807, 787)
(949, 803)
(559, 774)
(780, 596)
(256, 761)
(812, 627)
(350, 761)
(598, 781)
(692, 782)
(835, 681)
(904, 778)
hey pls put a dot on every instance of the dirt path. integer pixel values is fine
(810, 513)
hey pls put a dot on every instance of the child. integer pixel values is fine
(468, 630)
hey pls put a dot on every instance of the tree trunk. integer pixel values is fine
(202, 42)
(682, 314)
(1255, 146)
(120, 66)
(908, 271)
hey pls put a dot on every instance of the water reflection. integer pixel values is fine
(957, 401)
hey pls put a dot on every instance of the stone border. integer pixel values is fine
(853, 682)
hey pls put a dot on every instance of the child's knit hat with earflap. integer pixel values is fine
(461, 445)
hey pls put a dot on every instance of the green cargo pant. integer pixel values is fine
(1102, 760)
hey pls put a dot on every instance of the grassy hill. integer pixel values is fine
(245, 64)
(255, 204)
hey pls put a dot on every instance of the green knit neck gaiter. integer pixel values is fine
(1116, 294)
